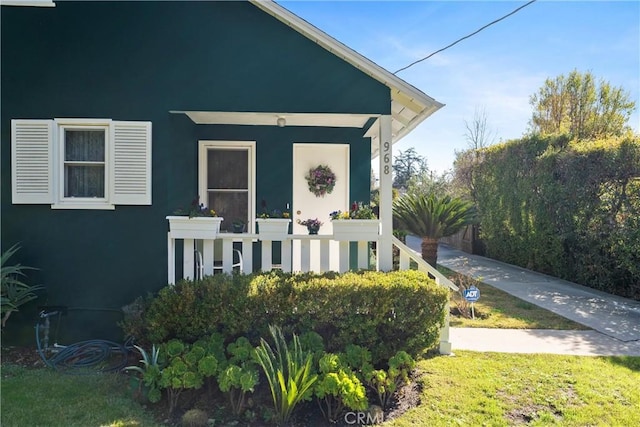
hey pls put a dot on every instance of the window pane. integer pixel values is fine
(231, 205)
(227, 169)
(84, 145)
(83, 181)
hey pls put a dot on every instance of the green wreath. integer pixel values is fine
(321, 180)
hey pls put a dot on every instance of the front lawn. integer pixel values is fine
(468, 389)
(493, 389)
(44, 397)
(499, 309)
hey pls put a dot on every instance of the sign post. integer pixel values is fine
(472, 294)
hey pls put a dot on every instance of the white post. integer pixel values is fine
(445, 340)
(227, 255)
(171, 259)
(188, 260)
(247, 255)
(267, 259)
(385, 250)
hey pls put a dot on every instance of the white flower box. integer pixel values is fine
(356, 230)
(201, 227)
(273, 228)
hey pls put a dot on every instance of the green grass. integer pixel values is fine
(469, 389)
(43, 397)
(473, 389)
(498, 309)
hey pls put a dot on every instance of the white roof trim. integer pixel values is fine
(35, 3)
(403, 95)
(271, 119)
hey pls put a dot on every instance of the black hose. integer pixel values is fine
(107, 355)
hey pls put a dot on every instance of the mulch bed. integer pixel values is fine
(406, 398)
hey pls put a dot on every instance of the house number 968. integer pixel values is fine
(386, 158)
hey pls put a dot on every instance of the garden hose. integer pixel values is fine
(107, 356)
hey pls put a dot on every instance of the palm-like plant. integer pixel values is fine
(14, 292)
(431, 217)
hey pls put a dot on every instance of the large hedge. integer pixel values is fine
(567, 208)
(384, 312)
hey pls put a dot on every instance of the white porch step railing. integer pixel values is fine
(406, 256)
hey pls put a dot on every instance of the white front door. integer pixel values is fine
(307, 205)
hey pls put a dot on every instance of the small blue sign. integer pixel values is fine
(472, 294)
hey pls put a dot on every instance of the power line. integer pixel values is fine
(465, 37)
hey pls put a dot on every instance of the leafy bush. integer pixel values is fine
(385, 312)
(240, 375)
(382, 382)
(338, 387)
(186, 367)
(189, 311)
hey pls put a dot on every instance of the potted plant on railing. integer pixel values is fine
(194, 222)
(273, 224)
(359, 224)
(313, 225)
(238, 226)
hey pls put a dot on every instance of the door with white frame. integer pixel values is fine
(306, 205)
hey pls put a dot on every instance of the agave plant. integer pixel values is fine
(431, 217)
(14, 292)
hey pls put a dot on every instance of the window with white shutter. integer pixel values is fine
(81, 163)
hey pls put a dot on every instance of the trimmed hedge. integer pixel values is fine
(384, 312)
(566, 208)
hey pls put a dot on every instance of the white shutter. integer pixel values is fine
(131, 163)
(31, 161)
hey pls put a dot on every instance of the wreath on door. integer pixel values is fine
(321, 180)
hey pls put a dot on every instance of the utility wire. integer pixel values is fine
(465, 37)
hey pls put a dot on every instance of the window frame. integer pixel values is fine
(250, 146)
(37, 163)
(63, 202)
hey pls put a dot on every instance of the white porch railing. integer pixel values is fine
(203, 257)
(208, 256)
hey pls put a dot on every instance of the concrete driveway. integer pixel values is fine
(615, 320)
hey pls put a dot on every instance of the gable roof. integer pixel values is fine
(409, 105)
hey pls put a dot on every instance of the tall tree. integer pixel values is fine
(478, 136)
(575, 104)
(406, 165)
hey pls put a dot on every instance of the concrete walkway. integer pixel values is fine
(615, 320)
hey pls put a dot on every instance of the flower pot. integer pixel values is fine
(273, 228)
(313, 230)
(183, 227)
(356, 230)
(237, 228)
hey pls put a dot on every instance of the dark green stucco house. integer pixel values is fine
(114, 114)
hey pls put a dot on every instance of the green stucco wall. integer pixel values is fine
(138, 61)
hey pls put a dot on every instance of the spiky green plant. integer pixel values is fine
(431, 217)
(150, 372)
(13, 291)
(289, 372)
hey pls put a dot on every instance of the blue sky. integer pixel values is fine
(498, 69)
